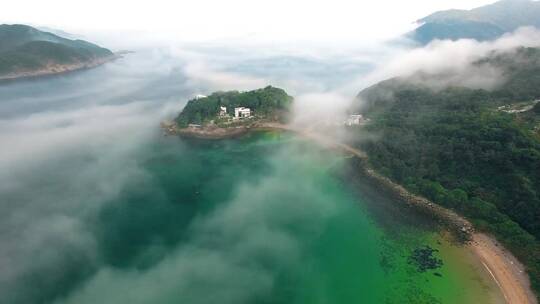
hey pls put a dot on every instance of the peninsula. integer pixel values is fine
(232, 113)
(28, 52)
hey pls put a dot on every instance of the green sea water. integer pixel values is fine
(266, 218)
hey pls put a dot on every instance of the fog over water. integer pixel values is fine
(73, 143)
(91, 213)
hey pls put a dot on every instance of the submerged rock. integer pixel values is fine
(423, 259)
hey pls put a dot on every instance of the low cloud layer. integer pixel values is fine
(319, 109)
(454, 58)
(232, 253)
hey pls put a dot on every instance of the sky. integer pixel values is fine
(202, 20)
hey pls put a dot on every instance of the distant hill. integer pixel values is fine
(484, 23)
(26, 51)
(472, 150)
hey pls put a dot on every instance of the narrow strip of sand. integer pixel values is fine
(504, 268)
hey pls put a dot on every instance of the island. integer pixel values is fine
(232, 113)
(28, 52)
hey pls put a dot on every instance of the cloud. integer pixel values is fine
(221, 80)
(69, 148)
(232, 253)
(319, 109)
(453, 58)
(58, 171)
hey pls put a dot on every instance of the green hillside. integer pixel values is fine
(270, 103)
(26, 49)
(474, 151)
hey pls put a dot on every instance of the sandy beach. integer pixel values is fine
(504, 268)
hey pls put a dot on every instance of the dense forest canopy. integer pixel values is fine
(25, 48)
(456, 147)
(270, 102)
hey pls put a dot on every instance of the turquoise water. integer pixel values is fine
(267, 218)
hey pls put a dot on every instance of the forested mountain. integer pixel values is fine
(483, 23)
(471, 150)
(268, 102)
(26, 50)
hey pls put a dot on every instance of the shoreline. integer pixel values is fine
(505, 270)
(59, 69)
(214, 134)
(503, 267)
(217, 133)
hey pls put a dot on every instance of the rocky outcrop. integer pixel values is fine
(214, 132)
(461, 227)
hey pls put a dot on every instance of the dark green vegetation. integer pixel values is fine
(26, 49)
(423, 258)
(483, 23)
(456, 148)
(268, 103)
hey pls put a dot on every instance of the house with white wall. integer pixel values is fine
(242, 112)
(223, 111)
(355, 120)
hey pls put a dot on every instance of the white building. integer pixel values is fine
(242, 113)
(200, 96)
(223, 111)
(355, 120)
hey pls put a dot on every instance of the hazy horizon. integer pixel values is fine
(342, 22)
